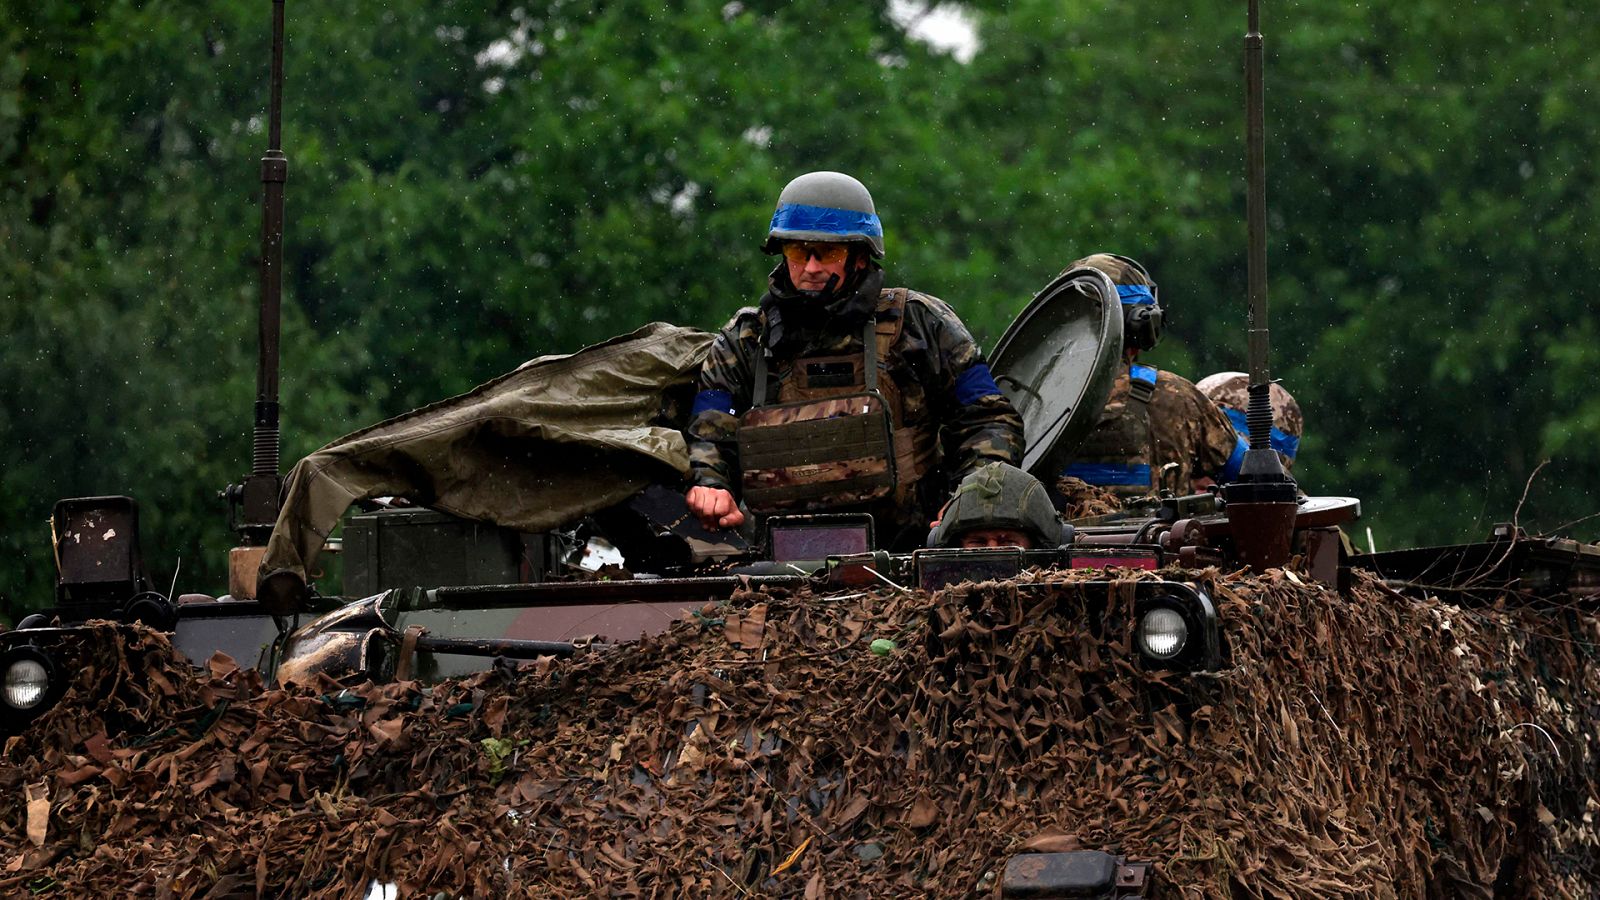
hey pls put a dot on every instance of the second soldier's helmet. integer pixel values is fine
(825, 206)
(1231, 392)
(996, 496)
(1143, 316)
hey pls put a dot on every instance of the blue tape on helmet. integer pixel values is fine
(1136, 295)
(1146, 374)
(1287, 444)
(1105, 474)
(1282, 441)
(974, 384)
(825, 219)
(721, 401)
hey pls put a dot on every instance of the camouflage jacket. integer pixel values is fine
(1134, 439)
(943, 380)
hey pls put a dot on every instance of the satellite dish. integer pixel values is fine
(1056, 364)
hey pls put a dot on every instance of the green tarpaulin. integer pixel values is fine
(558, 438)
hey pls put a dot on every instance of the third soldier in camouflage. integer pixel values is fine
(1157, 431)
(1230, 391)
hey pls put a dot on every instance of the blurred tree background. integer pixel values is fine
(475, 184)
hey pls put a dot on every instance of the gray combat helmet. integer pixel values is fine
(998, 495)
(825, 206)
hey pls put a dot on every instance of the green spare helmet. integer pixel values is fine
(998, 495)
(825, 206)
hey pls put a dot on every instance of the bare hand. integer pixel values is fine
(715, 507)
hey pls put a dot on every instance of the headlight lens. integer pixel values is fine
(26, 684)
(1162, 633)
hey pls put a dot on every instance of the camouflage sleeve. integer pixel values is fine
(724, 393)
(978, 424)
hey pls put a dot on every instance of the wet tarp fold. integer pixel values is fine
(558, 438)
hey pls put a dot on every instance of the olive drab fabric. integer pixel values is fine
(996, 496)
(948, 415)
(838, 435)
(1231, 392)
(1136, 438)
(558, 438)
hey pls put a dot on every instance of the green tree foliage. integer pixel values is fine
(1440, 251)
(472, 185)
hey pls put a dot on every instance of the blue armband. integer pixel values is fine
(1107, 474)
(974, 384)
(721, 401)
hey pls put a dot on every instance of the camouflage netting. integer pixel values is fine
(1082, 500)
(1367, 746)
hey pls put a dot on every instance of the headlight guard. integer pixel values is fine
(1175, 627)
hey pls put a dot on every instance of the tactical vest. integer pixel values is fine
(838, 435)
(1117, 454)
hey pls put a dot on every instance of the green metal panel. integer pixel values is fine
(1056, 363)
(421, 547)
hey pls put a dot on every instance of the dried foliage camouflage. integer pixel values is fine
(1364, 745)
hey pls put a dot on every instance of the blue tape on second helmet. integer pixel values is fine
(1230, 469)
(1136, 295)
(1282, 441)
(825, 219)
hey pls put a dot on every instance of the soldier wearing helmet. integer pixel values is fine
(1157, 430)
(835, 393)
(998, 505)
(1230, 391)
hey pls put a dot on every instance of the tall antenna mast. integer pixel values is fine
(1256, 211)
(1262, 503)
(254, 503)
(274, 171)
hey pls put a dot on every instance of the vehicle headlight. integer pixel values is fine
(27, 682)
(1162, 633)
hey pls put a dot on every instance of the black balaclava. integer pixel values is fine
(795, 316)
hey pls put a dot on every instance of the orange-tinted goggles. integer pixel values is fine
(827, 254)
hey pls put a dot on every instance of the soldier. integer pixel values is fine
(1230, 391)
(998, 505)
(835, 393)
(1157, 430)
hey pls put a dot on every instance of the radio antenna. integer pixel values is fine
(1262, 503)
(254, 502)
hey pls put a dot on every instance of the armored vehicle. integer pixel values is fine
(430, 595)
